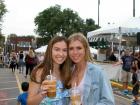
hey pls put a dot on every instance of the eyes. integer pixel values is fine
(60, 49)
(76, 48)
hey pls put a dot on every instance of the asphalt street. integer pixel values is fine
(10, 88)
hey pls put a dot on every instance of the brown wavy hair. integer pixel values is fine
(47, 63)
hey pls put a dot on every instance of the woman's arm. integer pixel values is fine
(34, 94)
(106, 93)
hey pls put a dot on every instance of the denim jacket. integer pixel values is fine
(97, 88)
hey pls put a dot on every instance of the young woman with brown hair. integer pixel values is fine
(56, 60)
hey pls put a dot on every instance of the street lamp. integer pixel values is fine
(120, 40)
(133, 8)
(98, 11)
(112, 42)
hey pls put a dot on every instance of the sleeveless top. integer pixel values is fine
(62, 96)
(80, 86)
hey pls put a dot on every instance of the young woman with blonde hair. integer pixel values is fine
(89, 78)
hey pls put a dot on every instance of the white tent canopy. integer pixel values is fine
(41, 49)
(129, 27)
(93, 51)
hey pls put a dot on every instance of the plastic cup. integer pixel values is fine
(75, 96)
(51, 84)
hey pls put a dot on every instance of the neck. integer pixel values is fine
(81, 66)
(56, 70)
(78, 73)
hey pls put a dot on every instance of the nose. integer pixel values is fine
(61, 52)
(75, 51)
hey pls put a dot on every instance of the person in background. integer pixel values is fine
(13, 62)
(17, 65)
(126, 61)
(112, 57)
(30, 61)
(89, 78)
(21, 62)
(135, 78)
(56, 60)
(135, 83)
(22, 98)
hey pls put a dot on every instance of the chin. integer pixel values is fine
(76, 61)
(60, 63)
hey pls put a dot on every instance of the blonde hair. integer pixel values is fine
(31, 53)
(80, 37)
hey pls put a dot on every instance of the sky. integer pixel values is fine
(21, 13)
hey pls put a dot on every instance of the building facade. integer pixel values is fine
(17, 44)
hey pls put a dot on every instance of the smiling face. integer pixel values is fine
(59, 52)
(76, 51)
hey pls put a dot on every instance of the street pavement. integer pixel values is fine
(10, 88)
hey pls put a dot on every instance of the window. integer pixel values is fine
(24, 44)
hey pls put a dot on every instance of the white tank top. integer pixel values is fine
(80, 86)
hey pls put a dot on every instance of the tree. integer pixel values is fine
(71, 22)
(2, 12)
(90, 25)
(3, 9)
(48, 22)
(53, 21)
(40, 41)
(2, 40)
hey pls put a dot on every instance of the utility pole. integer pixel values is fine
(133, 8)
(98, 11)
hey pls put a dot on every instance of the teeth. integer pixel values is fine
(60, 59)
(75, 57)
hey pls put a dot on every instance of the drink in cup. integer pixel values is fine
(51, 83)
(75, 97)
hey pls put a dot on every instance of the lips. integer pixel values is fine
(60, 60)
(75, 57)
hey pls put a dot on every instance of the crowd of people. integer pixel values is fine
(23, 62)
(71, 63)
(130, 73)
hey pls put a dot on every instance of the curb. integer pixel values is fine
(120, 86)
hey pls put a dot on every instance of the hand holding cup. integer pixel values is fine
(49, 85)
(75, 96)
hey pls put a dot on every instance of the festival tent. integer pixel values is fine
(93, 51)
(41, 49)
(115, 32)
(130, 27)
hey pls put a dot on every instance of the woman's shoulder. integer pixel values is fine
(94, 67)
(39, 71)
(36, 75)
(96, 71)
